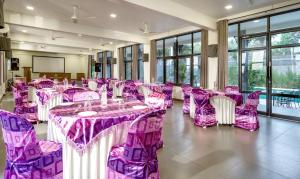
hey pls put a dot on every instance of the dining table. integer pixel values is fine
(88, 130)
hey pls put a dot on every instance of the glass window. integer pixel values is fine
(254, 26)
(233, 37)
(197, 43)
(170, 71)
(286, 38)
(140, 63)
(109, 64)
(184, 70)
(233, 68)
(254, 42)
(128, 62)
(284, 21)
(185, 44)
(128, 70)
(159, 71)
(128, 54)
(170, 46)
(197, 70)
(160, 48)
(100, 66)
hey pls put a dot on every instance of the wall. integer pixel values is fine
(73, 63)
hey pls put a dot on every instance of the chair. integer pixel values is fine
(93, 85)
(156, 101)
(204, 112)
(186, 90)
(45, 84)
(167, 89)
(85, 96)
(68, 94)
(23, 107)
(26, 157)
(130, 92)
(137, 158)
(230, 89)
(84, 82)
(246, 115)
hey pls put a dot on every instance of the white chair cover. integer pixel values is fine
(93, 85)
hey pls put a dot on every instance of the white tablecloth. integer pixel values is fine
(117, 91)
(92, 164)
(43, 109)
(224, 107)
(31, 94)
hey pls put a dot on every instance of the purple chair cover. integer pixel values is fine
(186, 89)
(230, 89)
(69, 93)
(130, 91)
(86, 95)
(23, 107)
(204, 113)
(167, 89)
(137, 158)
(26, 157)
(84, 82)
(246, 116)
(45, 84)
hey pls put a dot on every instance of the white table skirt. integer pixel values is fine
(93, 163)
(117, 91)
(43, 110)
(31, 94)
(224, 107)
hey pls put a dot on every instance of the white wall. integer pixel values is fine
(73, 63)
(212, 62)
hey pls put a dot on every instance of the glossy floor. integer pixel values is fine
(220, 152)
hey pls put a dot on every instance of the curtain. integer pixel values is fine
(90, 59)
(152, 61)
(112, 64)
(121, 64)
(104, 63)
(204, 58)
(135, 52)
(222, 53)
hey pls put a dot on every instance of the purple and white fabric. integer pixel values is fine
(137, 158)
(230, 89)
(186, 90)
(26, 156)
(85, 96)
(69, 93)
(167, 90)
(246, 116)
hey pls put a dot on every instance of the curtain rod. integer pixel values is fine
(266, 11)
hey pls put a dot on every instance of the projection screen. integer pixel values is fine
(48, 64)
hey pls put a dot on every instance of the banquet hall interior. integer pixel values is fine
(149, 89)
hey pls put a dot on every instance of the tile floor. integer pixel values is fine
(222, 152)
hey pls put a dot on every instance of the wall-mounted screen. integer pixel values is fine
(48, 64)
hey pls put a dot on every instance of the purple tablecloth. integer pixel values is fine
(82, 132)
(44, 95)
(154, 87)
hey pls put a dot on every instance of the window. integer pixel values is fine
(179, 59)
(233, 55)
(109, 56)
(100, 61)
(128, 62)
(141, 62)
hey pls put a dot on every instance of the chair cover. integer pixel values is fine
(230, 89)
(93, 85)
(84, 82)
(23, 107)
(167, 89)
(246, 115)
(85, 96)
(130, 91)
(156, 101)
(137, 158)
(186, 90)
(45, 84)
(68, 94)
(26, 157)
(204, 113)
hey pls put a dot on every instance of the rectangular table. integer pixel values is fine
(87, 140)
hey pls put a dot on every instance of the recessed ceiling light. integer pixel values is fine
(113, 15)
(110, 43)
(31, 8)
(256, 21)
(24, 31)
(79, 35)
(228, 7)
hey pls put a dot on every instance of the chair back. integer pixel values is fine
(201, 99)
(167, 89)
(156, 100)
(186, 90)
(101, 82)
(253, 99)
(129, 82)
(68, 94)
(198, 91)
(20, 96)
(230, 89)
(45, 84)
(93, 85)
(85, 96)
(19, 137)
(130, 91)
(143, 136)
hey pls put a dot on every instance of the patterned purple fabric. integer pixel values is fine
(101, 81)
(45, 84)
(45, 95)
(230, 89)
(246, 116)
(85, 96)
(137, 158)
(167, 90)
(69, 93)
(84, 82)
(186, 89)
(82, 132)
(204, 113)
(130, 91)
(23, 107)
(26, 157)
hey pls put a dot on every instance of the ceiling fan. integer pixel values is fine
(75, 17)
(146, 29)
(53, 37)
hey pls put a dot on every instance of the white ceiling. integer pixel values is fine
(215, 8)
(97, 13)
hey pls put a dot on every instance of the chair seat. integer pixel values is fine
(119, 167)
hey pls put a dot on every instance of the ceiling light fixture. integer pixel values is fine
(110, 43)
(113, 15)
(256, 21)
(24, 31)
(228, 7)
(31, 8)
